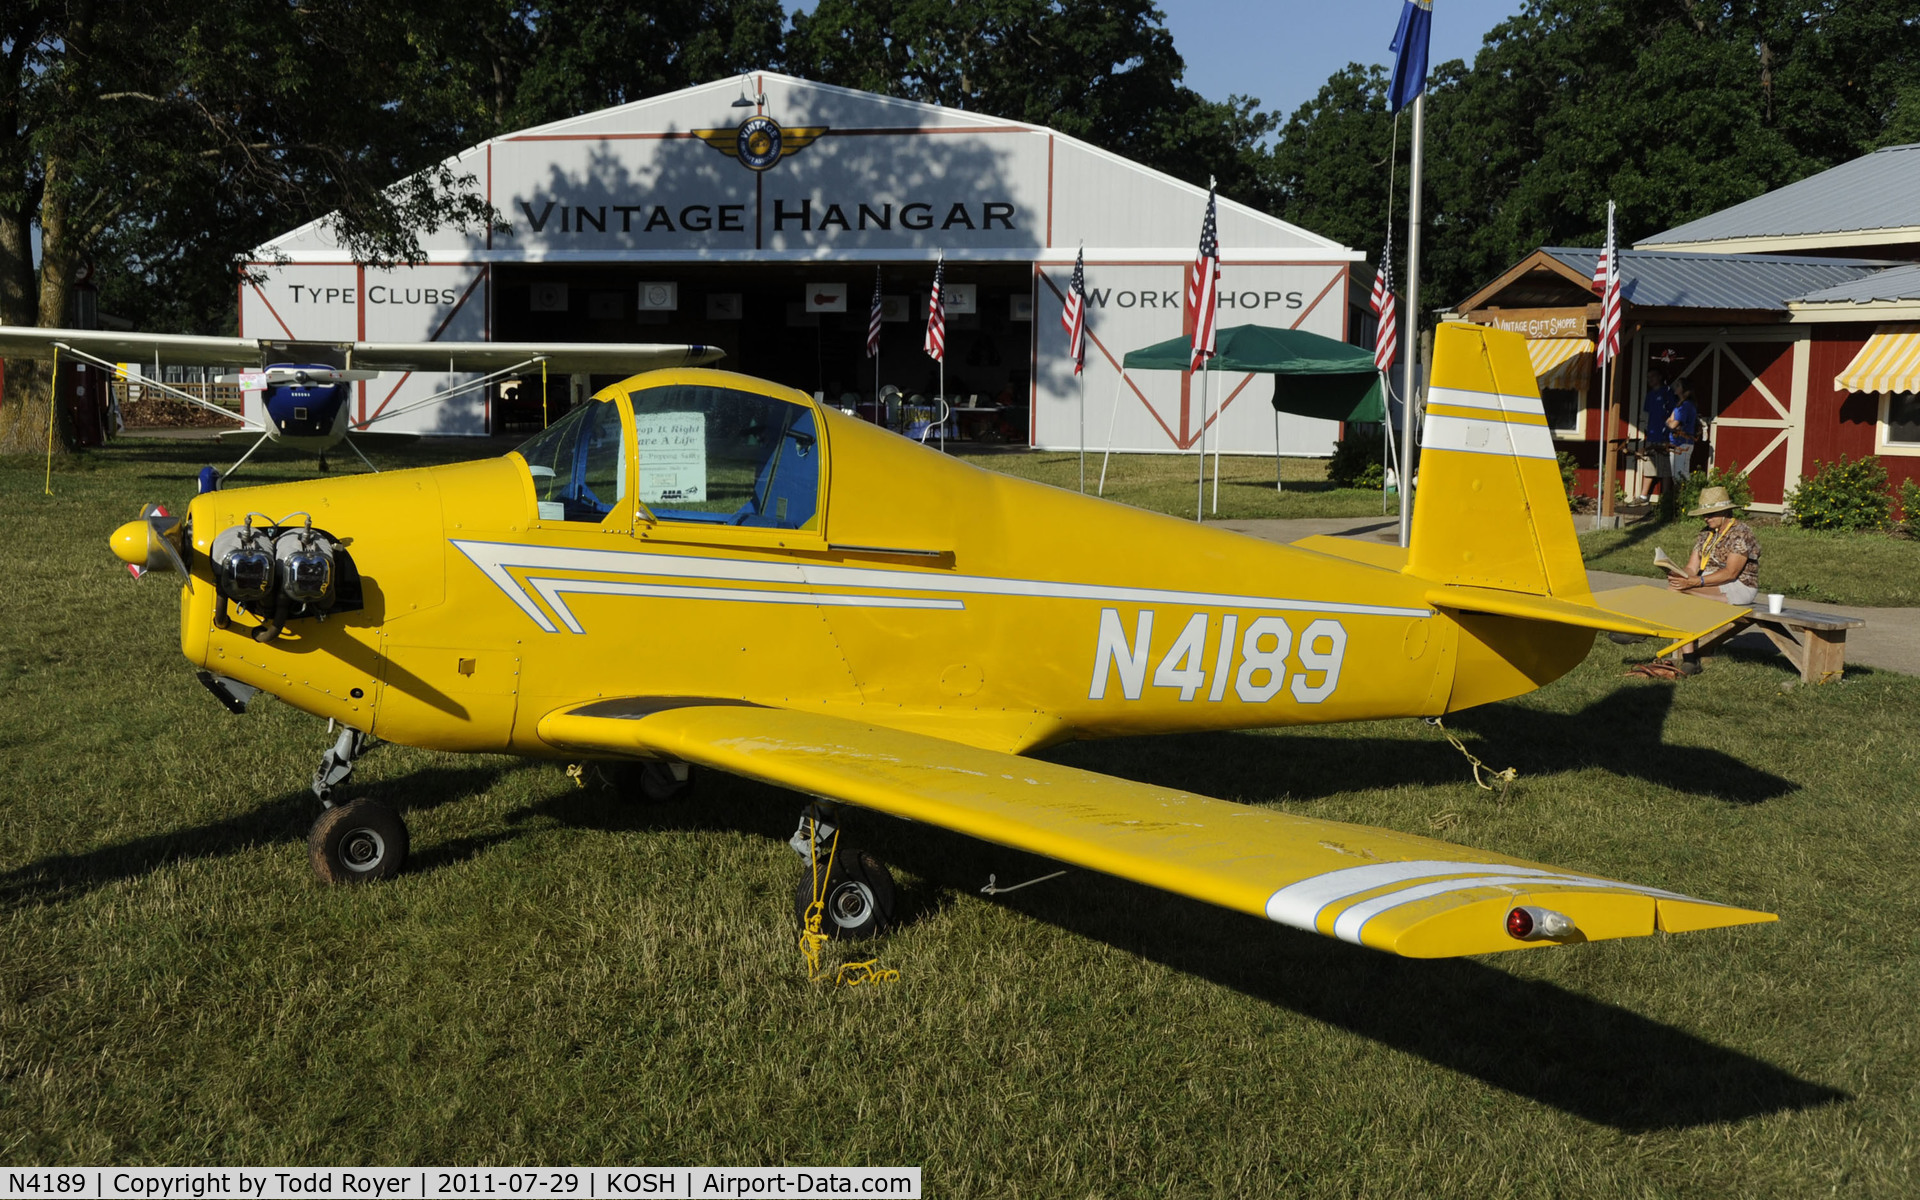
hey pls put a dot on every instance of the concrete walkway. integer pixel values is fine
(1889, 641)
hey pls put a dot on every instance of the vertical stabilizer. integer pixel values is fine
(1491, 510)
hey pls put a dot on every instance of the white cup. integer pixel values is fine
(1775, 602)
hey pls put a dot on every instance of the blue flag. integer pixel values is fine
(1409, 48)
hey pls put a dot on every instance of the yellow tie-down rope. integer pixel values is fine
(851, 974)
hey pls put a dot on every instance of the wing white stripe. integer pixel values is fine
(1348, 925)
(1300, 904)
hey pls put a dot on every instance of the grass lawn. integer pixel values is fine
(564, 978)
(1165, 482)
(1837, 568)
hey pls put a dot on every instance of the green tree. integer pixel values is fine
(529, 64)
(157, 141)
(1673, 109)
(1106, 72)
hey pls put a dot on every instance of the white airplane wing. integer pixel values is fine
(21, 341)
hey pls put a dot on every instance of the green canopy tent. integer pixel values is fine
(1313, 376)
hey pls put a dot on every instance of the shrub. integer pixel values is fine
(1357, 458)
(1910, 504)
(1732, 478)
(1849, 494)
(1568, 469)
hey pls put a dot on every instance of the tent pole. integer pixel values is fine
(1278, 484)
(1113, 415)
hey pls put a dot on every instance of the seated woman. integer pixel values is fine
(1725, 564)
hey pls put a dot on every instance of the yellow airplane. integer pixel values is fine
(698, 568)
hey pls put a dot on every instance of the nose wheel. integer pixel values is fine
(361, 842)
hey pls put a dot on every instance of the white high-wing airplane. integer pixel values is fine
(306, 386)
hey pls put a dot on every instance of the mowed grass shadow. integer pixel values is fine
(1585, 1057)
(1623, 733)
(285, 818)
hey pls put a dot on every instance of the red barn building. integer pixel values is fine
(1796, 315)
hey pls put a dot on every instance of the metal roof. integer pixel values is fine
(1682, 279)
(1897, 283)
(1874, 191)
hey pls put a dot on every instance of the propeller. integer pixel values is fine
(151, 543)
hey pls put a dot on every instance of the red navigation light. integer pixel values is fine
(1520, 924)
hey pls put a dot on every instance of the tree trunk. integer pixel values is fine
(24, 410)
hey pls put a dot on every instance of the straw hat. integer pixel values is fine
(1713, 500)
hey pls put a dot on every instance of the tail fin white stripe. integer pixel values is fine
(1504, 402)
(1486, 437)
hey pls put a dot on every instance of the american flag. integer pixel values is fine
(873, 318)
(1073, 317)
(1606, 281)
(1386, 339)
(1203, 286)
(937, 318)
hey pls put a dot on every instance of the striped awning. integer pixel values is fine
(1889, 362)
(1561, 362)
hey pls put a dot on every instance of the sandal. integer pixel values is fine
(1659, 668)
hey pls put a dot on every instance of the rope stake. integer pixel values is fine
(1503, 778)
(852, 974)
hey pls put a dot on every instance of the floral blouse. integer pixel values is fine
(1715, 549)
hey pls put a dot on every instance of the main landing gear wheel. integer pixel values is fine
(357, 843)
(859, 897)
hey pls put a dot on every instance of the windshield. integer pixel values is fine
(722, 456)
(579, 464)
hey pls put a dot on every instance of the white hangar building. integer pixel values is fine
(752, 213)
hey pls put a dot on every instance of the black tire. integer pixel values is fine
(362, 842)
(859, 899)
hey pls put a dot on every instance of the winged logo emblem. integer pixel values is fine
(759, 142)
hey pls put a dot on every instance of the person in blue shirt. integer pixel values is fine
(1683, 430)
(1659, 410)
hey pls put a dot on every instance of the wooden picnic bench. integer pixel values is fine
(1814, 642)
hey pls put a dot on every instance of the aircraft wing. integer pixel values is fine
(1408, 895)
(26, 341)
(606, 358)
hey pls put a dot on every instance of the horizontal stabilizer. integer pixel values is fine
(1407, 895)
(1373, 554)
(1647, 611)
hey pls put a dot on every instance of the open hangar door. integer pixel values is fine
(801, 325)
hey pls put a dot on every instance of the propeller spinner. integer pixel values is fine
(151, 543)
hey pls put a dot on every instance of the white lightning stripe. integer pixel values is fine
(551, 589)
(1486, 437)
(1299, 904)
(495, 557)
(503, 580)
(1502, 402)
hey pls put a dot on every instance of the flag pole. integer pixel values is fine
(1216, 454)
(1407, 396)
(1200, 484)
(1083, 433)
